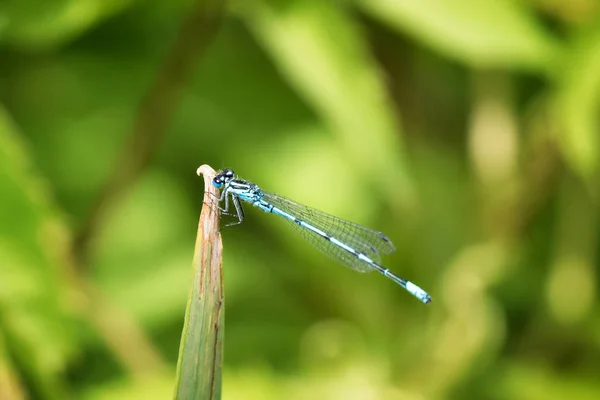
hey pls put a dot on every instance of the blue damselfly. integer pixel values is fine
(347, 243)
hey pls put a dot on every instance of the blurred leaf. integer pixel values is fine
(578, 102)
(533, 382)
(347, 376)
(574, 12)
(10, 387)
(322, 53)
(71, 99)
(575, 254)
(155, 386)
(35, 319)
(142, 253)
(479, 33)
(38, 24)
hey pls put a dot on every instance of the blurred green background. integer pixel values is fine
(467, 131)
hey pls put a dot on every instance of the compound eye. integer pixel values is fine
(217, 182)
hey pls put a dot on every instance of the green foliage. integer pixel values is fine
(37, 319)
(464, 130)
(578, 98)
(33, 24)
(321, 51)
(482, 34)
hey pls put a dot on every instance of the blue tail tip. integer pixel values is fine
(418, 292)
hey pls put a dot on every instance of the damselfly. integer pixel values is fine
(351, 245)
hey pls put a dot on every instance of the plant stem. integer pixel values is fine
(201, 348)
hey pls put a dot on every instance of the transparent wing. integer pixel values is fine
(364, 240)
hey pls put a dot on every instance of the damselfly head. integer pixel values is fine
(223, 177)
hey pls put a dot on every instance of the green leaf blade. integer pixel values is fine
(324, 56)
(482, 34)
(201, 348)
